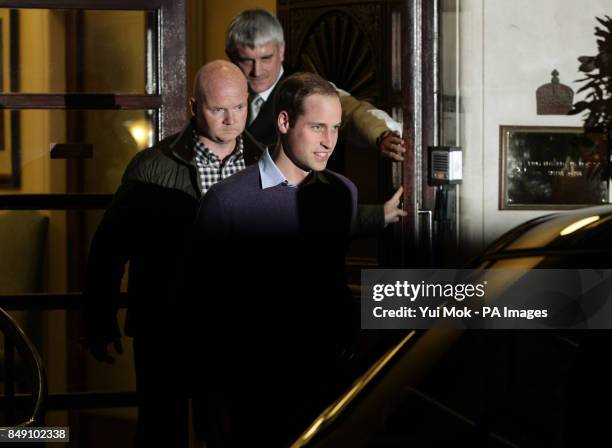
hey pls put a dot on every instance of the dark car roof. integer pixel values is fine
(585, 229)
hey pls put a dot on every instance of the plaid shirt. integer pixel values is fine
(211, 169)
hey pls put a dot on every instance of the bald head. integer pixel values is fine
(219, 102)
(218, 74)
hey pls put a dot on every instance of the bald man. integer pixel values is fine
(219, 106)
(150, 213)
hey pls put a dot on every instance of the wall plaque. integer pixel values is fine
(552, 167)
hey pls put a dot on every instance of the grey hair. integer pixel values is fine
(251, 28)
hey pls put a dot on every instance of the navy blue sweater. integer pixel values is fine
(272, 261)
(239, 208)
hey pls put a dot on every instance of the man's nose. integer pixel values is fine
(230, 117)
(256, 71)
(327, 139)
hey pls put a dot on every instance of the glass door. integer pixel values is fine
(84, 85)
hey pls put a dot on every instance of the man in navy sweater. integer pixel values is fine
(275, 236)
(255, 43)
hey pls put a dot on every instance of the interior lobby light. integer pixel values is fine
(140, 130)
(579, 225)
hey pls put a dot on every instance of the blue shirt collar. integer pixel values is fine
(270, 175)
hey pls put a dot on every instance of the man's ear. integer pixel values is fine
(282, 122)
(281, 51)
(192, 106)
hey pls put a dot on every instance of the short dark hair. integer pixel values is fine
(292, 92)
